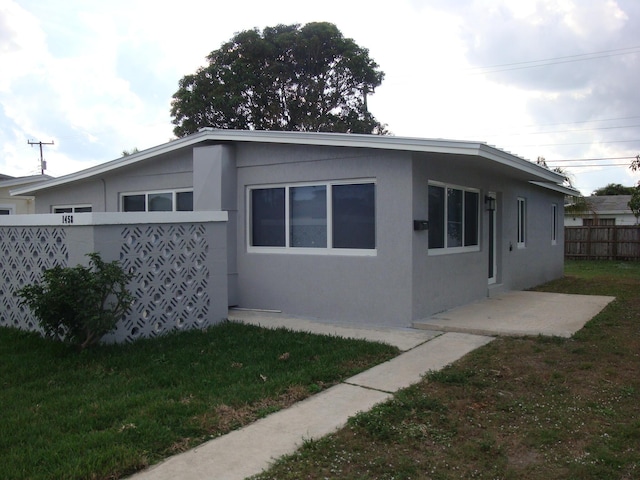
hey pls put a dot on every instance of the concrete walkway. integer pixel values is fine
(250, 450)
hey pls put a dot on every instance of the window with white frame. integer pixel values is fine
(453, 218)
(161, 201)
(522, 222)
(554, 224)
(7, 209)
(72, 209)
(319, 217)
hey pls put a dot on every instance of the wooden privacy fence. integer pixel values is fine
(602, 242)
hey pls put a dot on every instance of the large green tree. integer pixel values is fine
(288, 77)
(614, 189)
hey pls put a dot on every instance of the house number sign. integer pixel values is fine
(67, 219)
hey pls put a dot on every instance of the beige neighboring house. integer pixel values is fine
(21, 204)
(603, 210)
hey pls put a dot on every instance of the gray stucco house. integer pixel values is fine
(346, 228)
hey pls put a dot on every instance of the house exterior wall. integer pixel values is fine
(17, 205)
(342, 288)
(402, 280)
(169, 171)
(443, 281)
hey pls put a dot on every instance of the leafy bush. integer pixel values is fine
(79, 305)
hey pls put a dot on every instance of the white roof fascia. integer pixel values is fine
(24, 180)
(559, 188)
(114, 164)
(387, 142)
(382, 142)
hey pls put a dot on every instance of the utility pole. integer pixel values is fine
(43, 164)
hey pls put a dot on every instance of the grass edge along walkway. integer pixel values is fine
(109, 412)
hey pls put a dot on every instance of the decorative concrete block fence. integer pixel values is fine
(179, 260)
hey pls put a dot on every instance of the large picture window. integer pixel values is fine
(326, 217)
(453, 218)
(165, 201)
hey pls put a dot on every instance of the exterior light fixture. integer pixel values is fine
(490, 203)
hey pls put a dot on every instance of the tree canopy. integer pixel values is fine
(614, 189)
(287, 77)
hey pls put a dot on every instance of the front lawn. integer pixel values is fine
(109, 412)
(533, 408)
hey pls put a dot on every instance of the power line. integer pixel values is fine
(582, 121)
(564, 131)
(589, 159)
(593, 166)
(555, 60)
(569, 144)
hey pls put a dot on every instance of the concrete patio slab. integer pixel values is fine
(520, 313)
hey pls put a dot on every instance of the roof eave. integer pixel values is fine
(559, 188)
(313, 138)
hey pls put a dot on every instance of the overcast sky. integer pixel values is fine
(551, 78)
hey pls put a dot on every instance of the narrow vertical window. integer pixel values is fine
(454, 217)
(554, 223)
(436, 216)
(268, 217)
(354, 215)
(471, 208)
(308, 216)
(522, 221)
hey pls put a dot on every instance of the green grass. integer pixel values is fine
(109, 412)
(519, 408)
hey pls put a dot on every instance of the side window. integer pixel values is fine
(522, 222)
(73, 209)
(453, 218)
(554, 223)
(166, 201)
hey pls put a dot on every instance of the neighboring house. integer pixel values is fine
(602, 210)
(17, 205)
(347, 228)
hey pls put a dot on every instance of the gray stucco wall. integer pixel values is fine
(351, 289)
(402, 281)
(441, 282)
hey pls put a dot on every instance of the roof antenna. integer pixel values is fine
(43, 164)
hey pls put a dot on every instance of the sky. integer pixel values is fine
(539, 78)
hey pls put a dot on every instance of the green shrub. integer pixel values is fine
(79, 305)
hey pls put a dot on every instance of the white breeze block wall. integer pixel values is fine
(180, 267)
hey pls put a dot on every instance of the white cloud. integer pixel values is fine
(97, 77)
